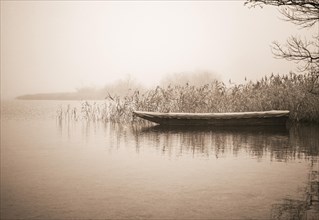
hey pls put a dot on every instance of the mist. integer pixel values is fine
(56, 46)
(125, 86)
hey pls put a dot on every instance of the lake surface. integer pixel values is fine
(53, 169)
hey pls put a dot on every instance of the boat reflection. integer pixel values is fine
(195, 129)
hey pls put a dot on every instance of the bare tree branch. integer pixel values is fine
(306, 52)
(304, 13)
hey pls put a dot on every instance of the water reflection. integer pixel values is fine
(308, 206)
(304, 137)
(297, 144)
(278, 143)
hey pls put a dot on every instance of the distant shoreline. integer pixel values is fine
(58, 96)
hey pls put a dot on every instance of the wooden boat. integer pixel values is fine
(260, 118)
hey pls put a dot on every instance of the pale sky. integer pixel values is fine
(57, 46)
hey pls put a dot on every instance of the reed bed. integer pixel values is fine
(292, 92)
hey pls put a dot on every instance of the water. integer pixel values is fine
(92, 170)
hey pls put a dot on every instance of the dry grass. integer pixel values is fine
(290, 92)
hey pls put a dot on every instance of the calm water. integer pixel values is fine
(82, 170)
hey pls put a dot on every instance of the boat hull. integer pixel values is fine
(266, 118)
